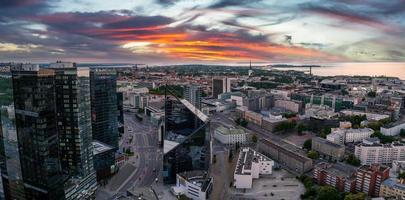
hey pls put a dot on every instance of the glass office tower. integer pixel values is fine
(37, 137)
(103, 88)
(73, 119)
(186, 144)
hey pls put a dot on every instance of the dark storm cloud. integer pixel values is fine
(347, 14)
(140, 22)
(166, 2)
(227, 3)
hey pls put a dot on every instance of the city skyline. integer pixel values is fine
(209, 31)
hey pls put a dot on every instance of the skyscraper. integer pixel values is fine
(218, 86)
(192, 93)
(104, 106)
(73, 118)
(187, 142)
(29, 135)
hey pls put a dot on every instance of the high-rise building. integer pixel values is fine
(218, 86)
(120, 112)
(73, 118)
(187, 142)
(103, 88)
(192, 93)
(30, 164)
(221, 85)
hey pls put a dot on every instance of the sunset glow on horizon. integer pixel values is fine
(207, 31)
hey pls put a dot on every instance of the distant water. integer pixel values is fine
(363, 69)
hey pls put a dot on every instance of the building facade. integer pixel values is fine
(73, 119)
(193, 184)
(370, 177)
(342, 135)
(230, 135)
(285, 155)
(393, 188)
(192, 93)
(30, 136)
(374, 152)
(329, 149)
(103, 88)
(186, 138)
(251, 164)
(335, 174)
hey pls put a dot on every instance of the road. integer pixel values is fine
(141, 138)
(144, 144)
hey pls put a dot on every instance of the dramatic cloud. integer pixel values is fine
(214, 31)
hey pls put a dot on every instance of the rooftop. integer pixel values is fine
(230, 130)
(99, 147)
(394, 183)
(246, 157)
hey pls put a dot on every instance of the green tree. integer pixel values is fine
(358, 196)
(352, 160)
(313, 154)
(230, 156)
(401, 175)
(327, 193)
(402, 133)
(307, 144)
(300, 128)
(372, 94)
(183, 197)
(254, 138)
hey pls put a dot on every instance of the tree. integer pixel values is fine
(313, 154)
(402, 133)
(372, 94)
(401, 175)
(183, 197)
(230, 156)
(307, 144)
(300, 128)
(254, 138)
(358, 196)
(352, 160)
(383, 138)
(327, 193)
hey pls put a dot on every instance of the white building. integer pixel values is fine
(194, 184)
(369, 116)
(251, 164)
(230, 135)
(342, 136)
(374, 152)
(392, 130)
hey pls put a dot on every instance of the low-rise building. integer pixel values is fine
(196, 185)
(338, 175)
(398, 167)
(230, 135)
(342, 136)
(393, 188)
(375, 152)
(290, 105)
(370, 177)
(392, 129)
(104, 160)
(328, 148)
(286, 155)
(251, 164)
(269, 123)
(253, 117)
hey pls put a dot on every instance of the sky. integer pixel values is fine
(202, 31)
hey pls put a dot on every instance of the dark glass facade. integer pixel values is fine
(37, 137)
(186, 143)
(73, 115)
(103, 88)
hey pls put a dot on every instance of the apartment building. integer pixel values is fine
(374, 152)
